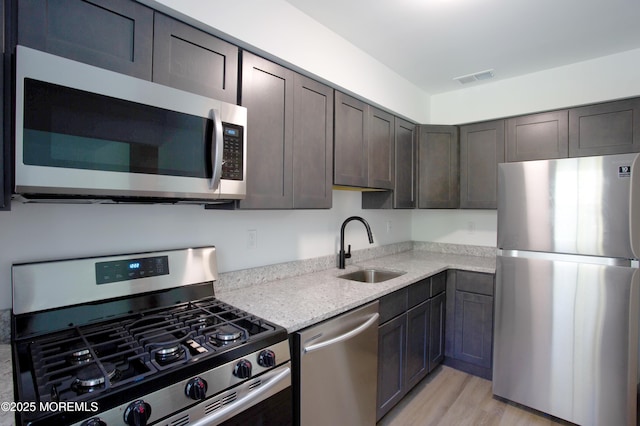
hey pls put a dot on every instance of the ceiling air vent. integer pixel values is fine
(470, 78)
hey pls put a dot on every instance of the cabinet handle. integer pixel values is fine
(345, 336)
(217, 145)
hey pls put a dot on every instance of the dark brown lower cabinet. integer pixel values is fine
(410, 338)
(391, 362)
(437, 322)
(469, 322)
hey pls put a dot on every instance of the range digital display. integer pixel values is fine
(131, 269)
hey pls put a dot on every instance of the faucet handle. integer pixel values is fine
(347, 255)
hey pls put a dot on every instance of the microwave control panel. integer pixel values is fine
(233, 152)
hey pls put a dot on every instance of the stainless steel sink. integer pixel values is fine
(371, 275)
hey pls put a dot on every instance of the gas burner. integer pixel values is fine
(166, 351)
(91, 377)
(170, 354)
(80, 356)
(203, 322)
(227, 334)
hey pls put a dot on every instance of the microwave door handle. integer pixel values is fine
(217, 145)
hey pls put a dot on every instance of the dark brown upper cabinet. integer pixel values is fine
(113, 34)
(267, 92)
(351, 142)
(312, 144)
(438, 167)
(190, 59)
(289, 147)
(537, 136)
(481, 149)
(607, 128)
(363, 145)
(403, 195)
(381, 155)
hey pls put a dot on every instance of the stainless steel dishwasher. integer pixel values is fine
(335, 370)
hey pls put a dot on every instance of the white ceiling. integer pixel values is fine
(429, 42)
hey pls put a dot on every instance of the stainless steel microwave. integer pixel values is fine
(86, 132)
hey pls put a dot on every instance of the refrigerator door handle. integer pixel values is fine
(576, 258)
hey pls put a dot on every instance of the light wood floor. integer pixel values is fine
(450, 397)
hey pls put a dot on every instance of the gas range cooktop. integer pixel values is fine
(91, 359)
(114, 351)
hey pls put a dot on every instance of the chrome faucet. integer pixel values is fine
(342, 256)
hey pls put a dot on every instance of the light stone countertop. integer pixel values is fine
(6, 384)
(299, 302)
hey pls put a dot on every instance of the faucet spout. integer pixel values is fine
(342, 256)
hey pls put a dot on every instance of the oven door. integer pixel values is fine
(263, 400)
(85, 131)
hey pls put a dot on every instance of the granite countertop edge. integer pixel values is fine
(299, 302)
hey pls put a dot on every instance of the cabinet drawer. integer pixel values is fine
(474, 282)
(392, 305)
(438, 284)
(419, 292)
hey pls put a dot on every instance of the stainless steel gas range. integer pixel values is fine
(140, 339)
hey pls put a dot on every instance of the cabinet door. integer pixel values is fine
(473, 328)
(391, 364)
(192, 60)
(312, 144)
(267, 92)
(538, 136)
(438, 170)
(112, 34)
(481, 149)
(351, 143)
(418, 328)
(404, 194)
(381, 152)
(608, 128)
(436, 333)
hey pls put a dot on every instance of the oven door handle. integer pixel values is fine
(217, 146)
(265, 391)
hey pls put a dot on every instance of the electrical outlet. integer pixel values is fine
(252, 239)
(389, 227)
(471, 227)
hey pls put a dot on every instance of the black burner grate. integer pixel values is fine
(77, 364)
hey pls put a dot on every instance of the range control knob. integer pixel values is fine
(267, 358)
(137, 413)
(196, 388)
(96, 421)
(242, 370)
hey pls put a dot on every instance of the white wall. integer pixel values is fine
(597, 80)
(475, 227)
(36, 232)
(282, 33)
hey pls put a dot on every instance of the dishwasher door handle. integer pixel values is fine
(344, 336)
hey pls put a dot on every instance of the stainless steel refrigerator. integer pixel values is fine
(567, 287)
